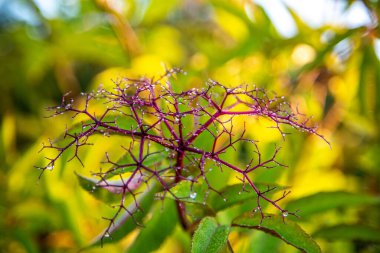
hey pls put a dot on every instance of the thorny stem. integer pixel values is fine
(149, 111)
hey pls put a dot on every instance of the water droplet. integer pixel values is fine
(193, 195)
(166, 149)
(94, 187)
(50, 167)
(285, 213)
(107, 235)
(225, 200)
(68, 106)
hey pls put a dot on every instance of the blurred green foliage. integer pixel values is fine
(331, 72)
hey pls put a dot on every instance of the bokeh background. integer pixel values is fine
(322, 55)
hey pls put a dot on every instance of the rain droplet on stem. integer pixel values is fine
(193, 195)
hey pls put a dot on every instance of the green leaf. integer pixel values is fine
(209, 237)
(288, 231)
(321, 54)
(196, 211)
(111, 119)
(158, 10)
(157, 229)
(324, 201)
(91, 185)
(237, 193)
(231, 195)
(263, 243)
(125, 224)
(187, 192)
(153, 160)
(349, 232)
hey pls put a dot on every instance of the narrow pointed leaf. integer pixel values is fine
(288, 231)
(349, 232)
(108, 191)
(125, 224)
(325, 201)
(230, 195)
(155, 231)
(151, 161)
(91, 186)
(209, 237)
(234, 194)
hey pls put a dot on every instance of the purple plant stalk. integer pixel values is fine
(158, 115)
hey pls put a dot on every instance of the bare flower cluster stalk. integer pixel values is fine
(161, 122)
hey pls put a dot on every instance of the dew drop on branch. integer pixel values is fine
(50, 167)
(193, 195)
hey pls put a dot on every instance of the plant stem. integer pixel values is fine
(181, 205)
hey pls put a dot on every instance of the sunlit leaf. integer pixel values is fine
(286, 230)
(158, 10)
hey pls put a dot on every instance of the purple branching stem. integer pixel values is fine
(161, 122)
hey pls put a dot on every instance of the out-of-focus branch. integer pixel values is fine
(125, 33)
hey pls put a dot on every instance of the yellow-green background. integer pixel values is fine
(331, 72)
